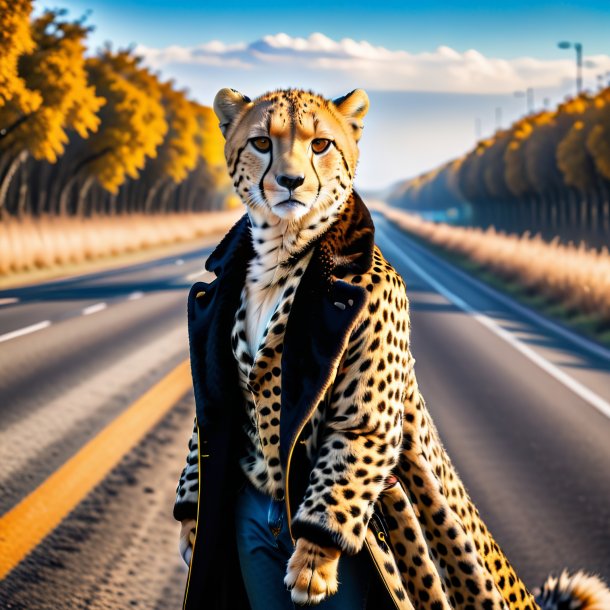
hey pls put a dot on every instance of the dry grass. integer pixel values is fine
(51, 242)
(573, 276)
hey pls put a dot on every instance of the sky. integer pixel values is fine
(438, 73)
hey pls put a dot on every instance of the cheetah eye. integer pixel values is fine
(261, 144)
(319, 145)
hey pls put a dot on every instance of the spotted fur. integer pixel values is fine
(282, 244)
(381, 478)
(260, 379)
(188, 485)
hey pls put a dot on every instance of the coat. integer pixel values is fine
(381, 481)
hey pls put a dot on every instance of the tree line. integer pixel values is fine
(549, 172)
(96, 134)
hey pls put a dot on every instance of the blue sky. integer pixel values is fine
(433, 69)
(508, 29)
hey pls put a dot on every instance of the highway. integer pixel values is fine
(523, 408)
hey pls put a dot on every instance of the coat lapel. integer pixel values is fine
(318, 328)
(211, 311)
(323, 315)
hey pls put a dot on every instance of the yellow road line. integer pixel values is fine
(27, 524)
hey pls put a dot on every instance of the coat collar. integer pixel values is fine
(323, 316)
(347, 246)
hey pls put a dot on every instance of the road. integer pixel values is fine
(520, 406)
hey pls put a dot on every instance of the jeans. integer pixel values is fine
(264, 546)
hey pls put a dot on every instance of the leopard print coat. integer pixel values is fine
(363, 463)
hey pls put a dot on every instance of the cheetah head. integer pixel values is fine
(291, 151)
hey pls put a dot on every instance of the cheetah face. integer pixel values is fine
(291, 151)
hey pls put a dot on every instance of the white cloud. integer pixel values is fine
(424, 106)
(342, 62)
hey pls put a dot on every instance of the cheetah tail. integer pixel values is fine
(579, 591)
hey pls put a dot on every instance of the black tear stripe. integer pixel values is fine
(234, 168)
(318, 177)
(260, 184)
(347, 169)
(238, 181)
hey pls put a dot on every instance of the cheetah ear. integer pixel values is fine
(354, 107)
(228, 103)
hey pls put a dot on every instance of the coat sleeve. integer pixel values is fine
(187, 491)
(362, 433)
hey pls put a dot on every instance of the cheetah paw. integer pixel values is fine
(187, 539)
(312, 572)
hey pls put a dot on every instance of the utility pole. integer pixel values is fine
(528, 94)
(577, 46)
(498, 118)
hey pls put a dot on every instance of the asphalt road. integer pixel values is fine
(520, 406)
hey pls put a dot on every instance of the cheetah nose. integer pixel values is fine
(290, 182)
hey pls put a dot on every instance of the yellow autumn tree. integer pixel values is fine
(453, 184)
(209, 139)
(471, 176)
(53, 68)
(56, 69)
(133, 118)
(493, 173)
(15, 40)
(517, 179)
(210, 144)
(598, 140)
(177, 154)
(539, 153)
(574, 159)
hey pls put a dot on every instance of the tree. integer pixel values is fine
(178, 153)
(15, 40)
(573, 158)
(54, 68)
(598, 140)
(133, 125)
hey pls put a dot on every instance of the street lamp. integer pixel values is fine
(578, 48)
(528, 94)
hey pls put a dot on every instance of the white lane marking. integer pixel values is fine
(103, 388)
(578, 388)
(138, 294)
(94, 308)
(25, 331)
(195, 275)
(9, 300)
(582, 342)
